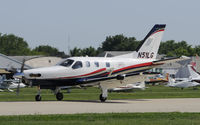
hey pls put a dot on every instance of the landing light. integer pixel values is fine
(35, 75)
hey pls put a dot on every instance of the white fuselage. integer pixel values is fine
(96, 66)
(106, 72)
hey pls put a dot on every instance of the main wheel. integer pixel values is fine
(38, 98)
(103, 99)
(59, 96)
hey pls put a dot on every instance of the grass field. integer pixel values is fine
(105, 119)
(28, 94)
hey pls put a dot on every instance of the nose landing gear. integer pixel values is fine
(38, 96)
(59, 95)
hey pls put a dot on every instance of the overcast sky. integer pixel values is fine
(88, 22)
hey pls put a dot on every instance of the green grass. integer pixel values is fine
(28, 94)
(174, 118)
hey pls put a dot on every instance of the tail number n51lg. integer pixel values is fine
(146, 55)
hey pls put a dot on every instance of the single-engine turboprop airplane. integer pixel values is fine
(108, 72)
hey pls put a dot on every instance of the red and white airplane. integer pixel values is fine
(108, 72)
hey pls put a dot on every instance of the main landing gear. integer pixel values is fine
(38, 98)
(102, 99)
(104, 95)
(59, 96)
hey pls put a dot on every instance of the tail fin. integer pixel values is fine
(2, 78)
(193, 73)
(149, 46)
(197, 64)
(167, 76)
(142, 85)
(171, 81)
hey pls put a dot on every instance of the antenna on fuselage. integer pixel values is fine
(106, 55)
(68, 46)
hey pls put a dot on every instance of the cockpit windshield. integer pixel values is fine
(67, 63)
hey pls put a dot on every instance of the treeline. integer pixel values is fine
(112, 43)
(12, 45)
(121, 43)
(172, 48)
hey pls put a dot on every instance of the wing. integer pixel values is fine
(117, 80)
(170, 60)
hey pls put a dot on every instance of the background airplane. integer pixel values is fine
(182, 84)
(10, 84)
(191, 81)
(129, 87)
(157, 79)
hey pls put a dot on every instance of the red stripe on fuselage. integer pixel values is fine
(103, 69)
(97, 71)
(133, 66)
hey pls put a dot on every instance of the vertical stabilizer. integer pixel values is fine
(148, 48)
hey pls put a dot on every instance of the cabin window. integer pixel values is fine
(107, 64)
(78, 64)
(87, 64)
(67, 63)
(96, 64)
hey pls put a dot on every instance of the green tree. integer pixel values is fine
(76, 52)
(166, 47)
(12, 45)
(172, 48)
(48, 51)
(89, 51)
(119, 43)
(197, 50)
(181, 51)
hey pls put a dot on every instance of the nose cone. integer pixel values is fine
(43, 73)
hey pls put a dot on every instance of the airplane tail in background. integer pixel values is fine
(142, 85)
(192, 71)
(2, 78)
(171, 81)
(148, 48)
(167, 76)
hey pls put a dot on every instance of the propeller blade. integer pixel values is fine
(17, 91)
(22, 67)
(22, 70)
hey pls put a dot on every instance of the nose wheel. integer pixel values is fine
(38, 98)
(59, 96)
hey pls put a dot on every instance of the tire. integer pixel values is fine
(59, 96)
(38, 98)
(103, 99)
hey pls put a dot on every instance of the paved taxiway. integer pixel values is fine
(72, 107)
